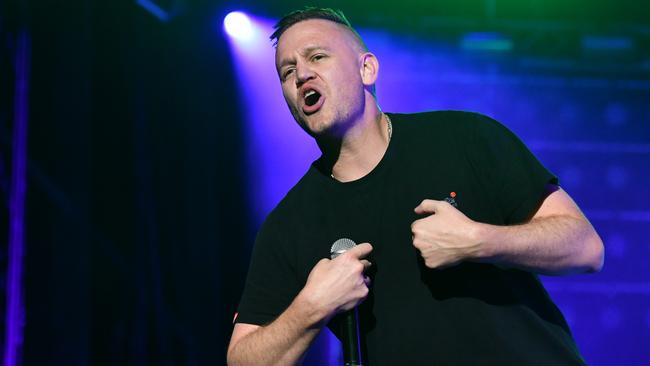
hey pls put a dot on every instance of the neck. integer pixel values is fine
(359, 150)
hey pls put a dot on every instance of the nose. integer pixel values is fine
(303, 74)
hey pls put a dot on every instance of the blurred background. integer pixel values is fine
(143, 142)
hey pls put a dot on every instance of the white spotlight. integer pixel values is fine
(238, 25)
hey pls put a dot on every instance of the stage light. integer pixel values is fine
(607, 44)
(238, 25)
(486, 41)
(154, 9)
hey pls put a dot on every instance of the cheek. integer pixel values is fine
(353, 78)
(351, 86)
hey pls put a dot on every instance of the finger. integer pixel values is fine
(428, 207)
(366, 264)
(360, 251)
(415, 225)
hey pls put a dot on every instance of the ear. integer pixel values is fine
(369, 69)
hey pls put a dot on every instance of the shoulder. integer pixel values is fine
(447, 126)
(273, 239)
(443, 119)
(284, 213)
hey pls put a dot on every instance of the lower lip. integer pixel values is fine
(311, 109)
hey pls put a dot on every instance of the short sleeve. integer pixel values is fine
(513, 177)
(271, 283)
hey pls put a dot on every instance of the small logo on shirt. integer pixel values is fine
(452, 199)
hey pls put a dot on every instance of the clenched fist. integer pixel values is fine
(446, 236)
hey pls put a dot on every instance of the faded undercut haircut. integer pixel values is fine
(311, 12)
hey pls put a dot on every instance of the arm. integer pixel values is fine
(333, 286)
(557, 240)
(282, 342)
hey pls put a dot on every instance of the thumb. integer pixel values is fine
(428, 207)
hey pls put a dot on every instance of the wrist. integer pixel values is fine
(485, 250)
(310, 310)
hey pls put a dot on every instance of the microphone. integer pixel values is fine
(350, 325)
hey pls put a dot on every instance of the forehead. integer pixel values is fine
(310, 33)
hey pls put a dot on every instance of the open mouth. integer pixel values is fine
(313, 101)
(311, 97)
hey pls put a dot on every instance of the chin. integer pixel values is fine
(315, 125)
(314, 131)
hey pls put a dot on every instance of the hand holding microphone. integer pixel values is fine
(338, 285)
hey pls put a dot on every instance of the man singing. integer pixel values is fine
(454, 214)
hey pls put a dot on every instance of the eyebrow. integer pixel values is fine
(307, 50)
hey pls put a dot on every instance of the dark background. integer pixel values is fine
(138, 220)
(136, 217)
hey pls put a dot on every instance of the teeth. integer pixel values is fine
(309, 93)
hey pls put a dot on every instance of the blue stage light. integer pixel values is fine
(238, 25)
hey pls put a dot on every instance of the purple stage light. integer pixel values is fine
(278, 152)
(238, 25)
(15, 317)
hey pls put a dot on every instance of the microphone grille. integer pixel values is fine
(341, 246)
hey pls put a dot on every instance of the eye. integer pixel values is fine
(287, 73)
(317, 57)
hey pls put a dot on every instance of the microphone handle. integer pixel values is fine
(350, 339)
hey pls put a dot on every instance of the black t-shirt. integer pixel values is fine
(470, 314)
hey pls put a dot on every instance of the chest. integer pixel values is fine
(381, 214)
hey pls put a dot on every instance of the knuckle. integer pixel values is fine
(416, 232)
(321, 262)
(347, 257)
(358, 267)
(417, 243)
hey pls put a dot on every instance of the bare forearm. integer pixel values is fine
(282, 342)
(552, 245)
(333, 286)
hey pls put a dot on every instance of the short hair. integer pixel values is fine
(312, 12)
